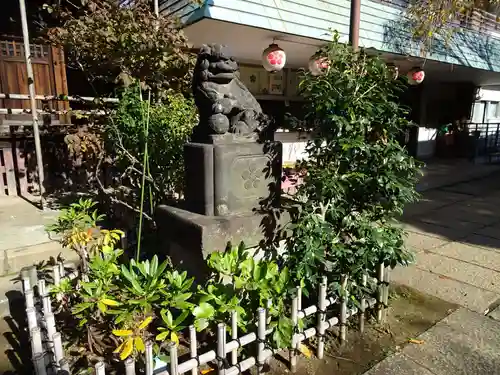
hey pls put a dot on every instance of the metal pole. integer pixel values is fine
(31, 88)
(354, 24)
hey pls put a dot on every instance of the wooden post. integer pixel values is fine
(34, 111)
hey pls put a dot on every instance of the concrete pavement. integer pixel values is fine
(464, 343)
(455, 234)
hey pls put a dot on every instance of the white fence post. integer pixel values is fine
(36, 341)
(343, 310)
(362, 313)
(39, 362)
(174, 359)
(26, 280)
(261, 338)
(58, 349)
(129, 366)
(221, 348)
(380, 291)
(30, 299)
(33, 276)
(387, 274)
(41, 288)
(321, 317)
(100, 369)
(149, 358)
(295, 320)
(234, 336)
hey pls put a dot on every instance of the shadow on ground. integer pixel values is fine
(16, 345)
(466, 212)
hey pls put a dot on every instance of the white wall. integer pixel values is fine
(426, 142)
(294, 145)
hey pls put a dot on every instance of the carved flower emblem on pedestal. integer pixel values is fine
(251, 177)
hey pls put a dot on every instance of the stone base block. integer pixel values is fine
(188, 238)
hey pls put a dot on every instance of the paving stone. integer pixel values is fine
(450, 221)
(432, 230)
(490, 243)
(473, 254)
(470, 214)
(398, 364)
(419, 241)
(450, 290)
(464, 343)
(459, 270)
(495, 314)
(446, 197)
(491, 231)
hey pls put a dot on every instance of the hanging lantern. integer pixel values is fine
(273, 58)
(393, 70)
(318, 65)
(415, 76)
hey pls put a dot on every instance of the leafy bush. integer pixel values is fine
(169, 127)
(358, 176)
(114, 308)
(110, 42)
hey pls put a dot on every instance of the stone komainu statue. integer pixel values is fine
(225, 105)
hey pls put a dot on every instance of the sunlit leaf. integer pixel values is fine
(127, 349)
(122, 332)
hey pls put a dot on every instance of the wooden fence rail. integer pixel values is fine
(49, 357)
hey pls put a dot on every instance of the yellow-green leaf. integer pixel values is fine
(174, 338)
(127, 349)
(119, 348)
(139, 345)
(122, 332)
(110, 302)
(162, 336)
(102, 307)
(305, 350)
(146, 322)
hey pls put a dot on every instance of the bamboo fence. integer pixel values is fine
(49, 356)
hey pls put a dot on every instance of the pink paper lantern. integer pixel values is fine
(416, 76)
(273, 58)
(318, 65)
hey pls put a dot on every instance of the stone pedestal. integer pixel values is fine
(232, 186)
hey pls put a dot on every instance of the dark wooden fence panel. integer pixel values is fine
(49, 71)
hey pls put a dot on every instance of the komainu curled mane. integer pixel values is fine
(224, 103)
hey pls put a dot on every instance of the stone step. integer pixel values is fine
(446, 288)
(13, 260)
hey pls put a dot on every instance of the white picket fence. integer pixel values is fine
(49, 357)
